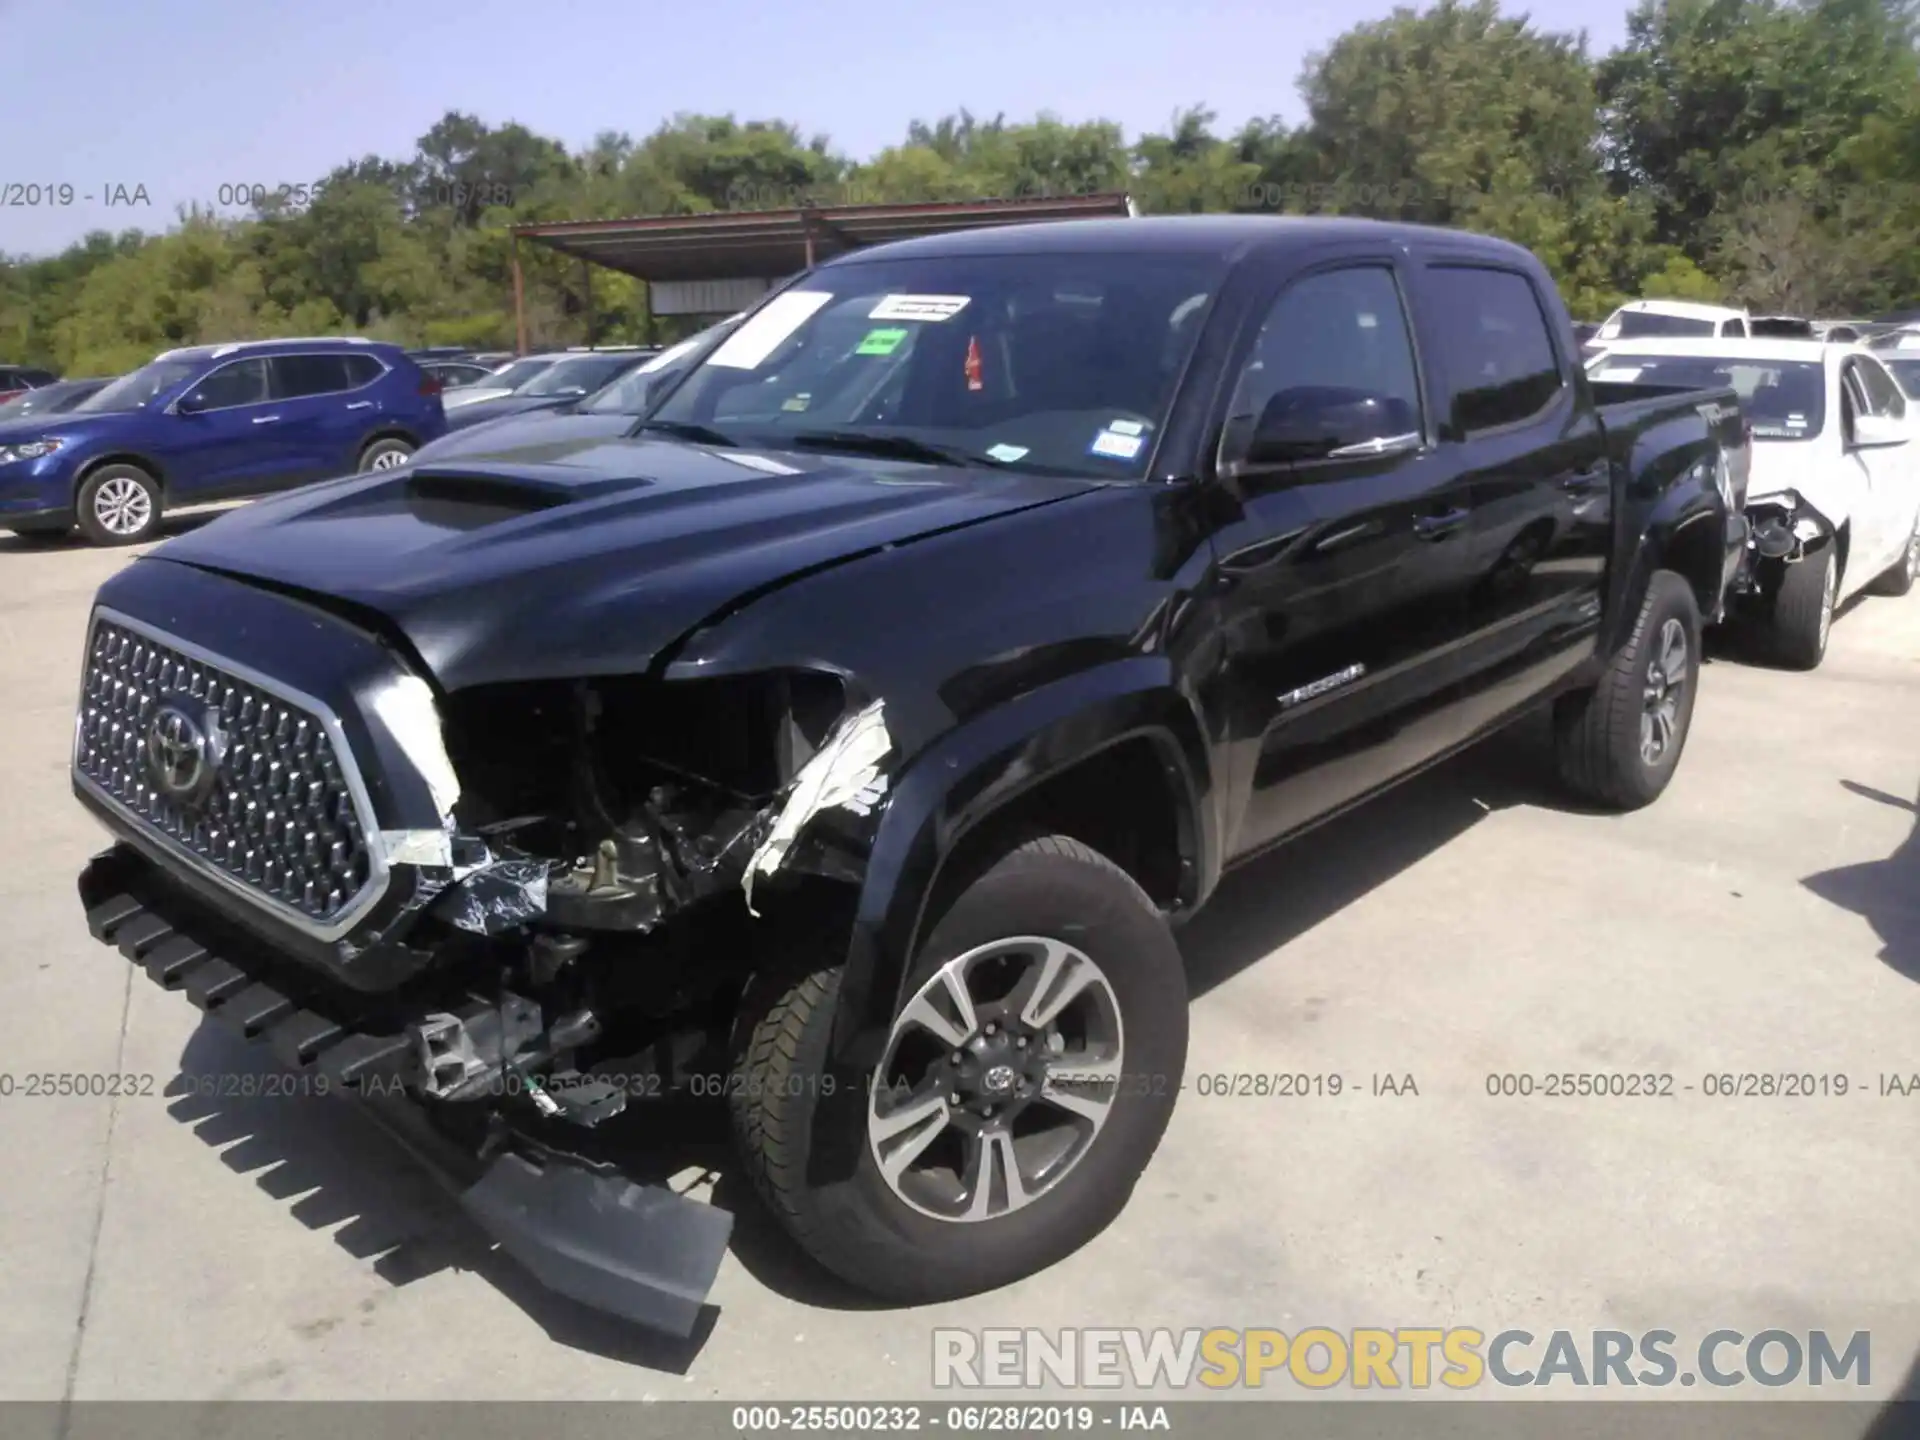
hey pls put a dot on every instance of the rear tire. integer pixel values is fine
(1619, 743)
(119, 505)
(944, 1222)
(1900, 578)
(1803, 610)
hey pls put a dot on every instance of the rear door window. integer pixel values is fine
(1497, 360)
(296, 376)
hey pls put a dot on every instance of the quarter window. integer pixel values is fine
(1496, 351)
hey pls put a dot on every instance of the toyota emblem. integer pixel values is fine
(182, 754)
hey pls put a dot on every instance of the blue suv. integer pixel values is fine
(214, 422)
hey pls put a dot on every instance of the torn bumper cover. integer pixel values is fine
(639, 1252)
(1782, 527)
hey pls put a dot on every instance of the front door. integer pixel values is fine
(229, 439)
(1340, 576)
(1893, 474)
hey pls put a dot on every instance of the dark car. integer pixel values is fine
(214, 422)
(612, 410)
(567, 380)
(14, 379)
(53, 399)
(848, 740)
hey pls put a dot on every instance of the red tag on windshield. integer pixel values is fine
(974, 380)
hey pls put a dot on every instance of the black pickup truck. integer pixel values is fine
(849, 738)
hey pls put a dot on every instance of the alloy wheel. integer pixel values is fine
(997, 1077)
(123, 506)
(1665, 687)
(388, 460)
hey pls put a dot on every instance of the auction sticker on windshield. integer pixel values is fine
(1116, 445)
(919, 307)
(881, 342)
(770, 325)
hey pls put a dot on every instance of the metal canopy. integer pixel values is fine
(772, 244)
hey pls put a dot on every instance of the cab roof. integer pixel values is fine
(1228, 237)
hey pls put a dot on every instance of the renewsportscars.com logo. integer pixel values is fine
(1459, 1358)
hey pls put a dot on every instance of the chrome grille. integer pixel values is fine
(278, 816)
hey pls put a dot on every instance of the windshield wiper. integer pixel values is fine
(686, 430)
(887, 447)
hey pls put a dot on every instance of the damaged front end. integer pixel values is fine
(1782, 530)
(560, 925)
(603, 865)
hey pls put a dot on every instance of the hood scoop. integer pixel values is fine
(464, 501)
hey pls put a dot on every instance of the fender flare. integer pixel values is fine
(970, 774)
(1678, 510)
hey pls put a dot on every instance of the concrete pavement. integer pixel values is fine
(1763, 917)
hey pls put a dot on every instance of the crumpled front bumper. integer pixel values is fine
(640, 1252)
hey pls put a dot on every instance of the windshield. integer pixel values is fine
(1051, 362)
(1907, 372)
(135, 391)
(576, 377)
(512, 377)
(631, 392)
(1785, 399)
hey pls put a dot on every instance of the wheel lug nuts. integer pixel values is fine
(992, 1028)
(1021, 1043)
(957, 1058)
(954, 1099)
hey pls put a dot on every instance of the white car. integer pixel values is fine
(1670, 320)
(1833, 494)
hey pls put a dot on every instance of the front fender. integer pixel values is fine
(973, 772)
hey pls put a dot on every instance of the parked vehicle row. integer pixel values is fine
(848, 731)
(551, 380)
(54, 398)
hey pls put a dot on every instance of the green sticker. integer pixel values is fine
(881, 342)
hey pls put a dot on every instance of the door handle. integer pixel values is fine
(1438, 527)
(265, 419)
(361, 405)
(1589, 479)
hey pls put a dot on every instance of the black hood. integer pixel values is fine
(533, 435)
(595, 560)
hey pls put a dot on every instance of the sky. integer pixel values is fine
(178, 99)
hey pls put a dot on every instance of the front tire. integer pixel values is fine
(1025, 1084)
(119, 505)
(388, 454)
(1803, 609)
(1619, 743)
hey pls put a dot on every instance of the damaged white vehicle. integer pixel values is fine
(1833, 497)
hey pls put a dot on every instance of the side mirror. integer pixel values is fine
(1872, 432)
(191, 403)
(1306, 424)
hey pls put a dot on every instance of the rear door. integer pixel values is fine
(1533, 463)
(316, 428)
(1340, 577)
